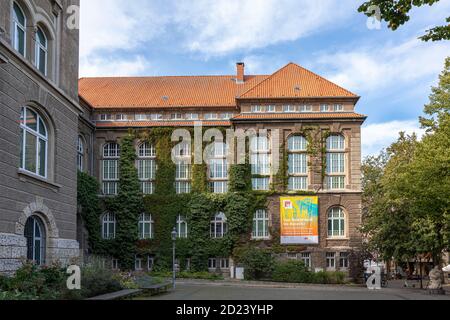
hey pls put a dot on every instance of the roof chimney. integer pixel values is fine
(240, 72)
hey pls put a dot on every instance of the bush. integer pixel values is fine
(292, 271)
(258, 264)
(96, 281)
(297, 272)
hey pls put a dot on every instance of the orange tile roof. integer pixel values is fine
(146, 124)
(204, 91)
(293, 81)
(295, 116)
(160, 92)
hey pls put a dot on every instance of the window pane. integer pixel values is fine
(30, 153)
(31, 120)
(42, 61)
(42, 152)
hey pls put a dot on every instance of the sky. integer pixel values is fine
(392, 71)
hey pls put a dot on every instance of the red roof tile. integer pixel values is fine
(294, 116)
(145, 124)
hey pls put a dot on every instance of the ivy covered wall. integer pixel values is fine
(199, 208)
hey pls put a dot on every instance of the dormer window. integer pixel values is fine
(176, 116)
(271, 109)
(192, 116)
(105, 117)
(19, 29)
(141, 117)
(325, 108)
(289, 109)
(121, 117)
(211, 116)
(257, 109)
(226, 116)
(156, 117)
(338, 108)
(306, 108)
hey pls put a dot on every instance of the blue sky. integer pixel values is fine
(391, 71)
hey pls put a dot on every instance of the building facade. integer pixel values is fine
(39, 114)
(290, 110)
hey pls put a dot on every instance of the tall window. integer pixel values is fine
(80, 153)
(218, 168)
(219, 226)
(298, 163)
(111, 154)
(146, 167)
(260, 162)
(306, 258)
(260, 225)
(335, 162)
(182, 227)
(35, 235)
(344, 260)
(331, 260)
(34, 143)
(183, 168)
(19, 29)
(336, 223)
(41, 53)
(109, 226)
(146, 226)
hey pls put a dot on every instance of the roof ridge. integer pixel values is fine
(173, 76)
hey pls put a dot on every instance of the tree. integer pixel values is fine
(408, 196)
(128, 205)
(395, 13)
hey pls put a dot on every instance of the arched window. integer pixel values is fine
(336, 223)
(80, 153)
(182, 227)
(335, 162)
(109, 226)
(34, 143)
(111, 154)
(19, 29)
(219, 226)
(147, 167)
(41, 51)
(260, 225)
(298, 163)
(260, 153)
(146, 226)
(218, 168)
(35, 235)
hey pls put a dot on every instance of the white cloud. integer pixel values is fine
(217, 27)
(117, 24)
(374, 68)
(378, 136)
(96, 66)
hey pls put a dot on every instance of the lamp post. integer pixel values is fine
(174, 239)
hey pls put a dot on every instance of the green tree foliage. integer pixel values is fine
(407, 192)
(396, 13)
(128, 205)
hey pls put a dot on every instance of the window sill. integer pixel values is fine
(3, 59)
(338, 239)
(25, 176)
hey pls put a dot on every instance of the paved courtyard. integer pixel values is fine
(192, 290)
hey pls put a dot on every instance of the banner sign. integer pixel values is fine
(299, 220)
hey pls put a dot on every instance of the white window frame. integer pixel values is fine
(227, 116)
(23, 27)
(331, 260)
(80, 153)
(305, 108)
(289, 108)
(156, 117)
(261, 215)
(325, 108)
(192, 116)
(176, 116)
(146, 166)
(338, 107)
(141, 117)
(121, 117)
(211, 116)
(344, 261)
(38, 47)
(261, 162)
(271, 108)
(105, 117)
(212, 263)
(336, 215)
(220, 219)
(39, 137)
(305, 257)
(298, 163)
(138, 264)
(336, 162)
(111, 155)
(108, 221)
(257, 109)
(218, 168)
(146, 219)
(182, 227)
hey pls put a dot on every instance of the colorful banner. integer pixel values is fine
(299, 220)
